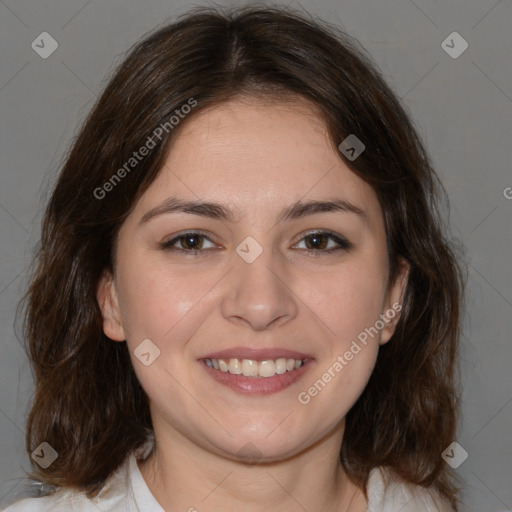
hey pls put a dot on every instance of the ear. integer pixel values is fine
(106, 295)
(393, 304)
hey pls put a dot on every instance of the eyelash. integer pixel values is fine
(343, 243)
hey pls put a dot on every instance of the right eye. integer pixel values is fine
(191, 242)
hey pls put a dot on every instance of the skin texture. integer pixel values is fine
(255, 158)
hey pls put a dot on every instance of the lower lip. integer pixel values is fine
(255, 385)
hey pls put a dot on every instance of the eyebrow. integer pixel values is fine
(218, 211)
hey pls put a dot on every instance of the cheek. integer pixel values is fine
(163, 306)
(154, 300)
(349, 300)
(349, 305)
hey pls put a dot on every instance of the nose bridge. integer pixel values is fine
(257, 290)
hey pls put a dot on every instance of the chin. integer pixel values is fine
(268, 442)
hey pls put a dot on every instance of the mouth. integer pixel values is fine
(254, 368)
(256, 371)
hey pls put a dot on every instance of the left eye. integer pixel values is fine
(318, 242)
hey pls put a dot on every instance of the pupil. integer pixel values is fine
(190, 241)
(315, 239)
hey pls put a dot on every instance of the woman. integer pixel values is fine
(244, 297)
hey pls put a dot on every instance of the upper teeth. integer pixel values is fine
(253, 368)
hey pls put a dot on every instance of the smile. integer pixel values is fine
(253, 368)
(256, 371)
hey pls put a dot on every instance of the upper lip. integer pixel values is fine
(258, 354)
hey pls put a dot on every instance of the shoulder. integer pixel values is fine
(112, 498)
(124, 491)
(58, 502)
(387, 493)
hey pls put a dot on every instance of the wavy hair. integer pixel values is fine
(88, 402)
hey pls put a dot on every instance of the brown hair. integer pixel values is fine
(88, 401)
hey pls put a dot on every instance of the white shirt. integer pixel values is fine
(127, 491)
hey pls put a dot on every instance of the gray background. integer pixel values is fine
(462, 108)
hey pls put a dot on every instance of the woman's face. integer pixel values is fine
(268, 277)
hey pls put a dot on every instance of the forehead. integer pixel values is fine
(259, 154)
(253, 130)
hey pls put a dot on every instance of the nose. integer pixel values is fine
(259, 294)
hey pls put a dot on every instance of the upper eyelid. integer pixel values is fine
(185, 233)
